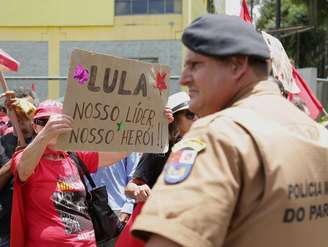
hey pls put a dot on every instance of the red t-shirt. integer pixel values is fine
(54, 203)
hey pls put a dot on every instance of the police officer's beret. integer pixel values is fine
(224, 35)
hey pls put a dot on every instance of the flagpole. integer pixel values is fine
(278, 16)
(252, 5)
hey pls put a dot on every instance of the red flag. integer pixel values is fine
(244, 13)
(312, 103)
(33, 88)
(7, 63)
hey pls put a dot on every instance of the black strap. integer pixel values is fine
(83, 170)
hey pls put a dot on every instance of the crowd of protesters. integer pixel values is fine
(42, 194)
(239, 157)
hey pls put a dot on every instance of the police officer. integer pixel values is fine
(252, 171)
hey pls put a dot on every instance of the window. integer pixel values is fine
(156, 7)
(147, 7)
(173, 6)
(139, 7)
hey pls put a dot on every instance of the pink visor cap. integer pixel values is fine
(47, 108)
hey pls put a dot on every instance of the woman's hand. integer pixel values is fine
(56, 125)
(142, 192)
(168, 113)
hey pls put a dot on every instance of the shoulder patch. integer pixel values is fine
(181, 161)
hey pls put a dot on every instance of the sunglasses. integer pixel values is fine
(41, 121)
(190, 115)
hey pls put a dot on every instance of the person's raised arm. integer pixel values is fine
(110, 158)
(57, 124)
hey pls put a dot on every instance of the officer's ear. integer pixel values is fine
(239, 66)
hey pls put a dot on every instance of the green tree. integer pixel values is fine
(210, 6)
(308, 48)
(318, 10)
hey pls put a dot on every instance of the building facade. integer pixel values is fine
(41, 35)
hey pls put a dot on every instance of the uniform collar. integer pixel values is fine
(265, 87)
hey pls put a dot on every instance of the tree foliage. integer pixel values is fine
(320, 11)
(291, 15)
(210, 6)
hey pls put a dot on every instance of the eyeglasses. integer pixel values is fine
(190, 115)
(41, 121)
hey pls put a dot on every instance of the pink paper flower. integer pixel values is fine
(81, 74)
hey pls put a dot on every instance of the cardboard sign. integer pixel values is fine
(117, 104)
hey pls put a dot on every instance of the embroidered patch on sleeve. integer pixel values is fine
(181, 161)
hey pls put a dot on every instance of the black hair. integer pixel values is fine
(283, 91)
(260, 66)
(300, 104)
(3, 108)
(174, 133)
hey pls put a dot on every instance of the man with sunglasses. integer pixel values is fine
(8, 145)
(251, 171)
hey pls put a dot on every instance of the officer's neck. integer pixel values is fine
(246, 86)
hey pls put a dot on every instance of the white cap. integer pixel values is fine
(178, 102)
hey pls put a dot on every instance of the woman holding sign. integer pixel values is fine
(50, 209)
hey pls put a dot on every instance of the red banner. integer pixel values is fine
(244, 13)
(7, 63)
(312, 103)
